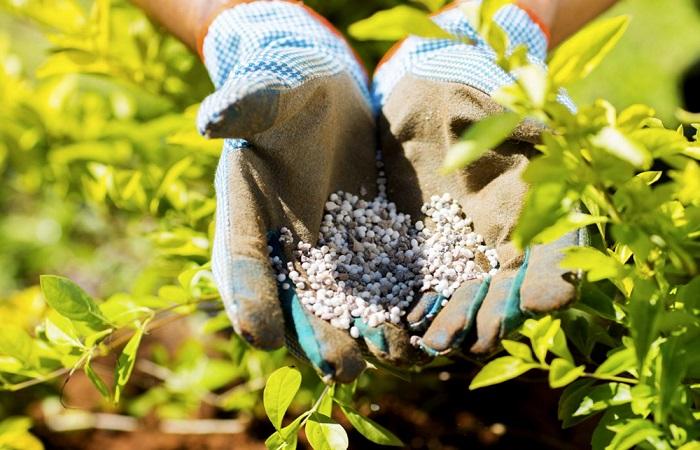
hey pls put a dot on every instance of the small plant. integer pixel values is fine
(636, 327)
(321, 430)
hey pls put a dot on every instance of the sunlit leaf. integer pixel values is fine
(618, 144)
(481, 137)
(563, 372)
(632, 433)
(370, 429)
(499, 370)
(396, 23)
(125, 363)
(617, 362)
(69, 300)
(579, 55)
(280, 389)
(324, 433)
(518, 349)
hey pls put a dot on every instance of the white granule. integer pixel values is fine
(371, 261)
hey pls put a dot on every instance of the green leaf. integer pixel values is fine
(481, 137)
(597, 265)
(96, 380)
(544, 207)
(597, 302)
(16, 342)
(60, 331)
(518, 349)
(567, 224)
(576, 58)
(621, 146)
(559, 346)
(602, 397)
(644, 309)
(396, 23)
(542, 334)
(287, 437)
(500, 370)
(634, 117)
(563, 372)
(370, 429)
(125, 363)
(570, 399)
(695, 445)
(603, 435)
(325, 406)
(633, 432)
(69, 300)
(620, 361)
(279, 392)
(324, 433)
(671, 368)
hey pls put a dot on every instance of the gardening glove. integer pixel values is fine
(430, 91)
(293, 104)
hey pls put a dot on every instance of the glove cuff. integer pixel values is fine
(536, 19)
(236, 28)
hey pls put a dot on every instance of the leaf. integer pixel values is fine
(125, 363)
(597, 265)
(603, 435)
(559, 346)
(544, 207)
(597, 302)
(576, 58)
(15, 435)
(570, 399)
(396, 23)
(325, 406)
(603, 396)
(60, 331)
(16, 342)
(370, 429)
(643, 311)
(671, 368)
(518, 349)
(69, 300)
(563, 372)
(634, 117)
(324, 433)
(280, 389)
(567, 224)
(542, 334)
(633, 432)
(96, 380)
(618, 362)
(287, 437)
(621, 146)
(500, 370)
(481, 137)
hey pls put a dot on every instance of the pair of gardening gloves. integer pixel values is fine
(301, 122)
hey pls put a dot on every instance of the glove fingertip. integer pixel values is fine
(250, 298)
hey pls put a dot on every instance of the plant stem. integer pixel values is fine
(611, 378)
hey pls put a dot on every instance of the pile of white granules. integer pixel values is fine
(371, 261)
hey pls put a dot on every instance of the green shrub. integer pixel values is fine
(110, 119)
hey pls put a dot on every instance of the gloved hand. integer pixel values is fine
(293, 103)
(430, 91)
